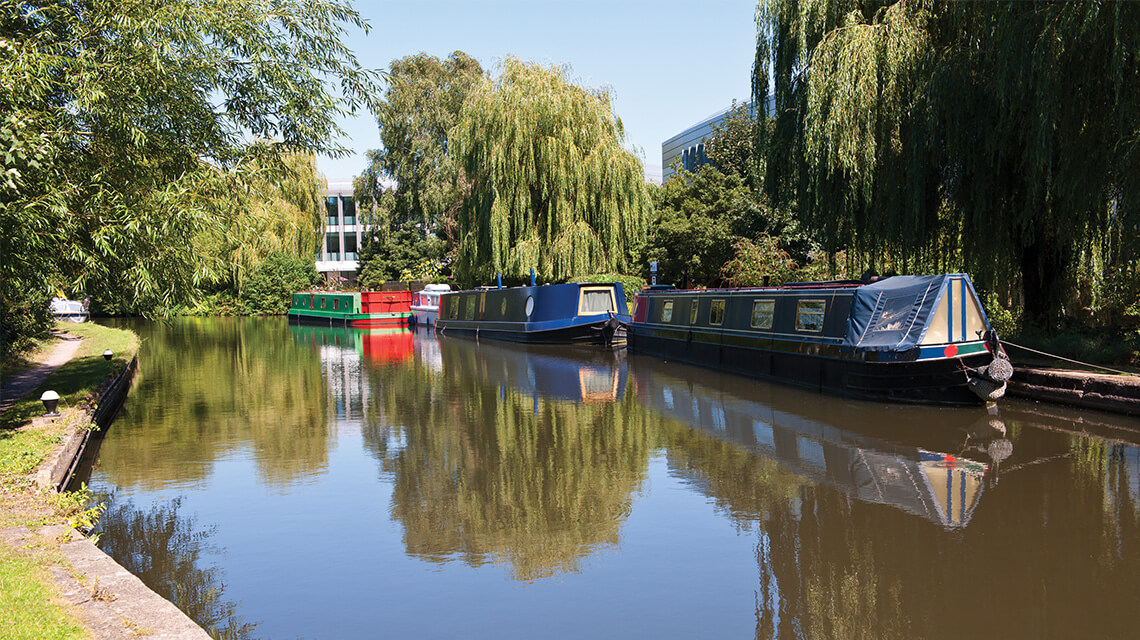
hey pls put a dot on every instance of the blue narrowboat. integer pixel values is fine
(571, 313)
(902, 338)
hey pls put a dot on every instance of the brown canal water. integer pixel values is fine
(295, 482)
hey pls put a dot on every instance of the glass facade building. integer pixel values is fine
(343, 232)
(688, 147)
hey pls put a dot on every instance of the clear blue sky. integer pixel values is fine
(668, 63)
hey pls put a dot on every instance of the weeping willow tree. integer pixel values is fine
(999, 137)
(547, 182)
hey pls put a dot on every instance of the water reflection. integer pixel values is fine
(829, 443)
(346, 355)
(211, 388)
(503, 454)
(165, 548)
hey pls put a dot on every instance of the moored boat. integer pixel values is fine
(64, 310)
(352, 308)
(425, 305)
(903, 338)
(571, 313)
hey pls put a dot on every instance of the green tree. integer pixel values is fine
(993, 136)
(125, 132)
(269, 287)
(702, 219)
(548, 183)
(279, 212)
(420, 107)
(407, 249)
(731, 148)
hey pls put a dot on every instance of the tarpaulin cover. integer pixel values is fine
(891, 314)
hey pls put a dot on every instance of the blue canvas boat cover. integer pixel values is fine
(891, 314)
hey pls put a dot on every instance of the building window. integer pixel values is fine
(762, 313)
(349, 243)
(348, 205)
(330, 207)
(716, 313)
(809, 315)
(332, 246)
(667, 311)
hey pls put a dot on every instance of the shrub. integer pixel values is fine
(268, 290)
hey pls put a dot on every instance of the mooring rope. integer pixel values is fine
(1053, 355)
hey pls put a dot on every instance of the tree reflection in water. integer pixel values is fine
(485, 471)
(164, 548)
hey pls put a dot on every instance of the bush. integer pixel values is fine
(1004, 321)
(24, 317)
(269, 289)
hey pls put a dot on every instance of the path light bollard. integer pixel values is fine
(51, 401)
(107, 354)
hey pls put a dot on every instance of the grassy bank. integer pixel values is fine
(28, 608)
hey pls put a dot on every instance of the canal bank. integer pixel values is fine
(91, 368)
(1103, 392)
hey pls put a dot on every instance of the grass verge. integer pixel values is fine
(27, 610)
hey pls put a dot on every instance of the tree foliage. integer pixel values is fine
(549, 185)
(999, 137)
(731, 147)
(420, 107)
(404, 250)
(708, 219)
(125, 132)
(267, 290)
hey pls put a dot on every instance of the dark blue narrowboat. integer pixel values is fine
(903, 338)
(571, 313)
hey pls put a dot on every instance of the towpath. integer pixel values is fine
(22, 383)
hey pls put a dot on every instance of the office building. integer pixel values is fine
(343, 235)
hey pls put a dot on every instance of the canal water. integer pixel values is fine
(287, 482)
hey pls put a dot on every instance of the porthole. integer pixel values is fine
(529, 305)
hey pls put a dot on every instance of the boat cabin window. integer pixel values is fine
(762, 313)
(809, 315)
(470, 308)
(596, 300)
(335, 302)
(453, 307)
(696, 304)
(322, 304)
(503, 308)
(667, 311)
(716, 313)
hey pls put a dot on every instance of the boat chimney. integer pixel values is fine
(499, 279)
(532, 276)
